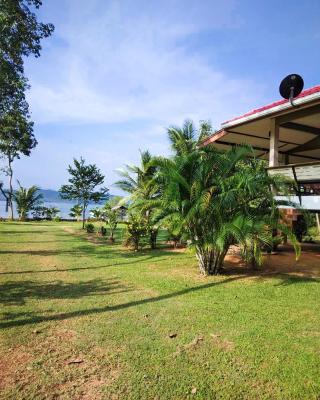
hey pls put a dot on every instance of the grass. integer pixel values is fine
(83, 320)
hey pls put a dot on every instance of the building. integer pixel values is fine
(288, 136)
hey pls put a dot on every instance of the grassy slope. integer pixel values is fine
(65, 299)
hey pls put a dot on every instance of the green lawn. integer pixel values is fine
(82, 320)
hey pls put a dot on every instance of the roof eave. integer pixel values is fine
(271, 111)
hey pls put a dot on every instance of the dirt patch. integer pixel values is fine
(51, 368)
(195, 344)
(222, 343)
(14, 367)
(92, 238)
(282, 262)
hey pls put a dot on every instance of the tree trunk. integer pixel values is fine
(136, 241)
(153, 239)
(210, 261)
(318, 223)
(10, 194)
(111, 237)
(83, 216)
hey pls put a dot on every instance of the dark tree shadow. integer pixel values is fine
(34, 318)
(21, 232)
(16, 293)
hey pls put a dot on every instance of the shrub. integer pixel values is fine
(89, 228)
(136, 230)
(102, 231)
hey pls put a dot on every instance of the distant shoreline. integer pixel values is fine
(63, 205)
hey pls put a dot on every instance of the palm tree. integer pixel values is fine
(96, 213)
(217, 198)
(136, 179)
(76, 211)
(186, 139)
(141, 184)
(26, 199)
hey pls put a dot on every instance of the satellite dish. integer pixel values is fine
(291, 86)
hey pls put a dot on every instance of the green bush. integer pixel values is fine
(136, 230)
(89, 228)
(102, 231)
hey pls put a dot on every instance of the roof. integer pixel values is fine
(299, 129)
(308, 92)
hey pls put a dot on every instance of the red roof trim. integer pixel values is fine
(216, 136)
(305, 93)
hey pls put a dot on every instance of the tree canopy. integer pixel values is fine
(20, 37)
(83, 185)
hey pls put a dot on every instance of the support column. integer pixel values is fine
(274, 143)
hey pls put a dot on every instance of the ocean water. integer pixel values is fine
(64, 208)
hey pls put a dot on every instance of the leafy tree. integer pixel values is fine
(21, 33)
(20, 37)
(76, 211)
(83, 182)
(26, 199)
(16, 139)
(37, 212)
(48, 213)
(51, 212)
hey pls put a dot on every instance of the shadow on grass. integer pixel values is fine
(6, 232)
(33, 319)
(16, 293)
(291, 279)
(105, 253)
(64, 291)
(116, 264)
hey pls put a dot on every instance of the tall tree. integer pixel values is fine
(83, 183)
(16, 139)
(20, 37)
(21, 33)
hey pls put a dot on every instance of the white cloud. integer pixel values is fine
(116, 73)
(124, 61)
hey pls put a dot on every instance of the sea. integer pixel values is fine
(64, 208)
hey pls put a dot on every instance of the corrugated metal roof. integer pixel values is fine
(304, 93)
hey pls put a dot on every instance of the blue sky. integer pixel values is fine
(115, 74)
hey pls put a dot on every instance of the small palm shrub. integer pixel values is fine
(111, 217)
(102, 231)
(137, 229)
(76, 212)
(26, 200)
(89, 228)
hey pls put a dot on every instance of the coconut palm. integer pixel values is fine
(26, 199)
(186, 139)
(136, 180)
